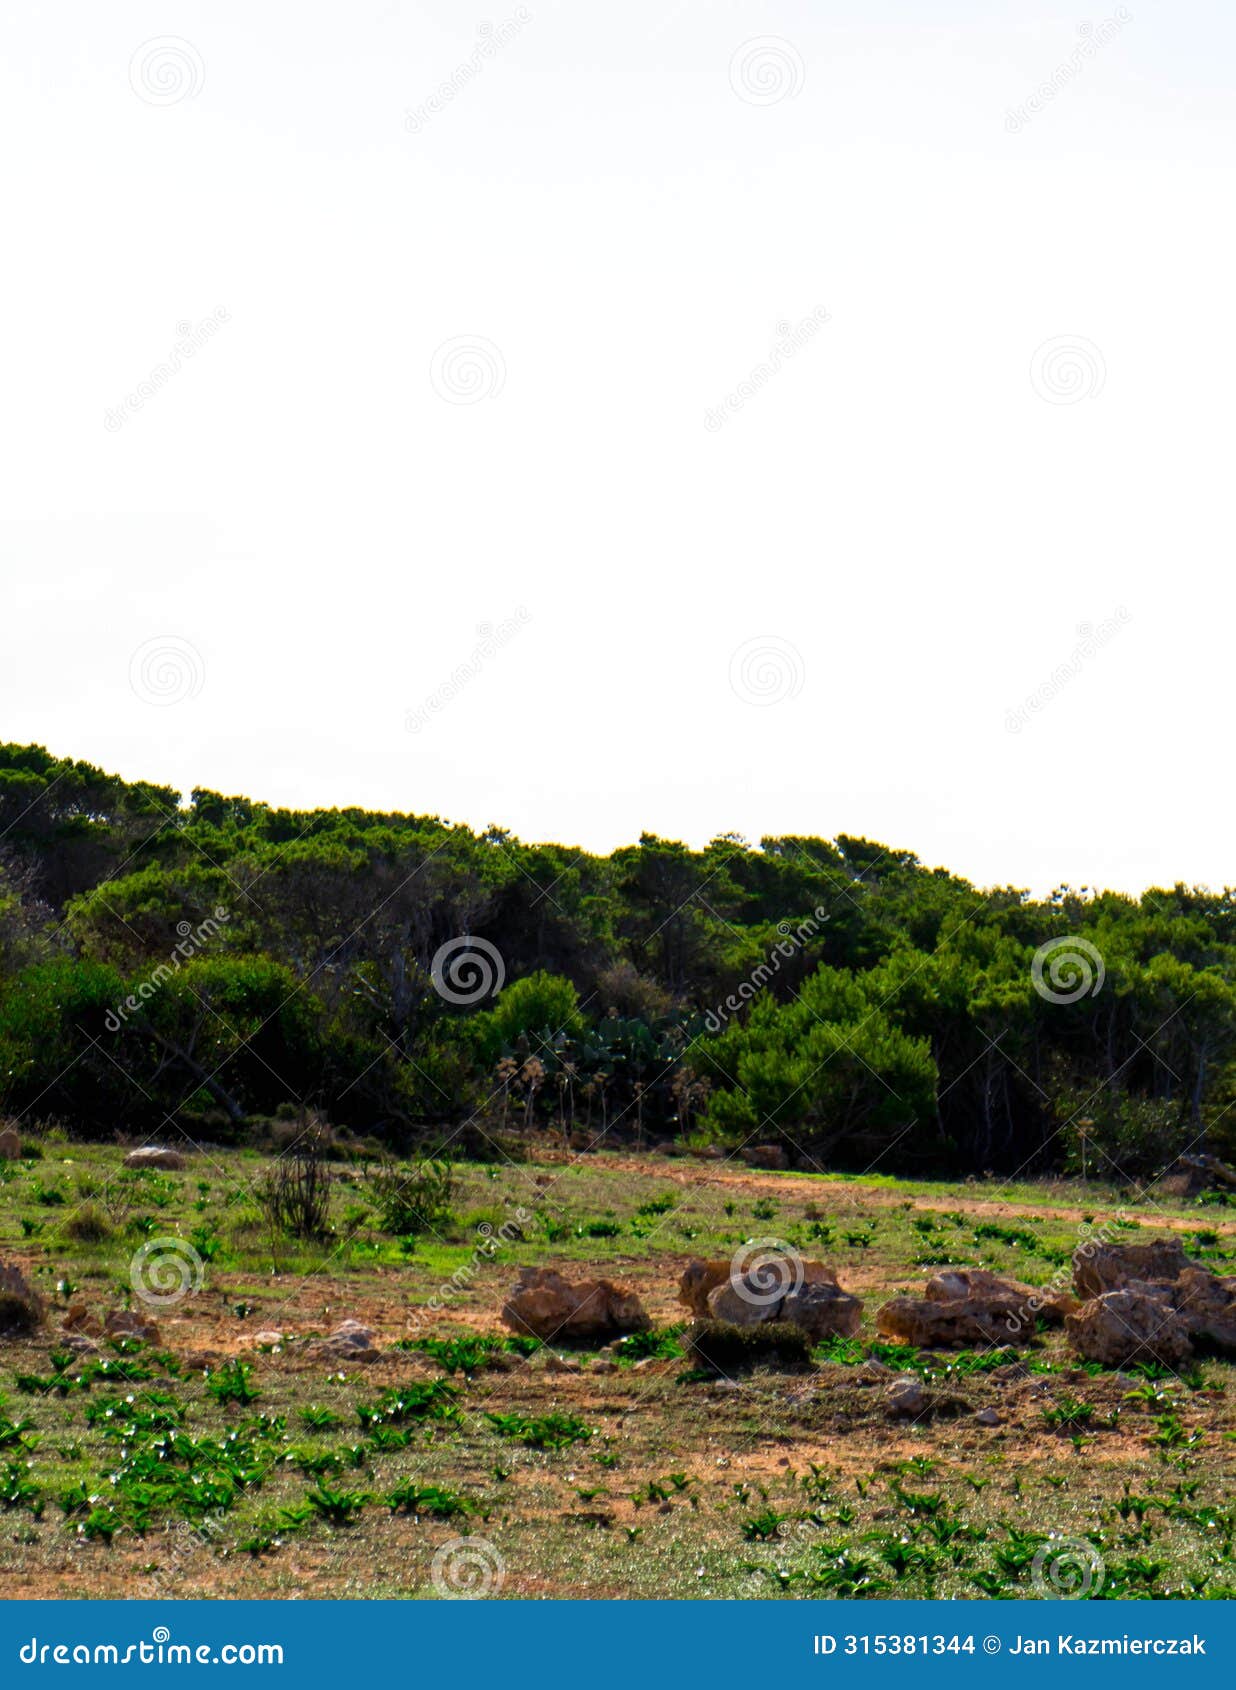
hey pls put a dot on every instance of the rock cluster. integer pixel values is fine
(130, 1323)
(548, 1306)
(965, 1307)
(806, 1294)
(1149, 1302)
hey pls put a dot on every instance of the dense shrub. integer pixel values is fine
(414, 1198)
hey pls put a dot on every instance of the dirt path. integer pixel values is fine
(827, 1194)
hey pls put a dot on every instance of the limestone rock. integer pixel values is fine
(1136, 1323)
(1202, 1304)
(349, 1342)
(699, 1279)
(1110, 1267)
(79, 1343)
(956, 1284)
(548, 1306)
(741, 1303)
(1206, 1302)
(968, 1323)
(964, 1307)
(823, 1310)
(155, 1156)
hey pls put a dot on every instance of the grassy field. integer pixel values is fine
(232, 1459)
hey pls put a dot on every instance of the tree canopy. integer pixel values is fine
(201, 964)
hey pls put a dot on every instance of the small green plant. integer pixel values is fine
(465, 1355)
(337, 1507)
(543, 1431)
(1068, 1414)
(429, 1400)
(411, 1498)
(658, 1343)
(18, 1489)
(598, 1229)
(232, 1383)
(762, 1527)
(320, 1419)
(206, 1241)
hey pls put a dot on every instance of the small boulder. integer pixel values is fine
(78, 1318)
(130, 1323)
(1136, 1323)
(155, 1156)
(741, 1303)
(79, 1343)
(905, 1397)
(349, 1342)
(765, 1156)
(10, 1144)
(987, 1417)
(548, 1306)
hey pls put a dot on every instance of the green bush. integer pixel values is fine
(413, 1199)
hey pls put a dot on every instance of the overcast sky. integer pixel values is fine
(789, 417)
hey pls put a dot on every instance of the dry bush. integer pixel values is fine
(724, 1348)
(294, 1194)
(21, 1311)
(88, 1226)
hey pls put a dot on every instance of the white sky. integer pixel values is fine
(318, 533)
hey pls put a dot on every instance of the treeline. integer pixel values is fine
(212, 963)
